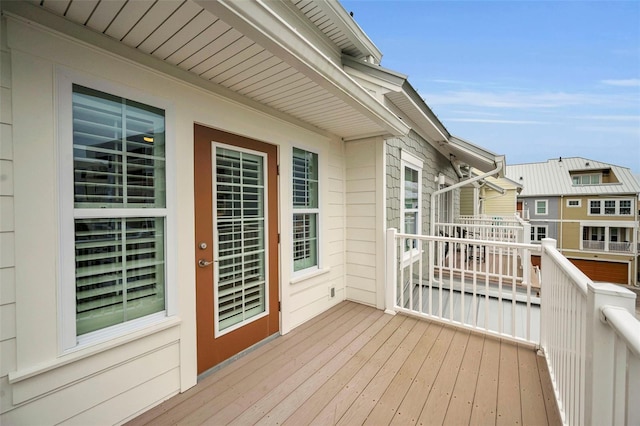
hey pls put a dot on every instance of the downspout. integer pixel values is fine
(432, 225)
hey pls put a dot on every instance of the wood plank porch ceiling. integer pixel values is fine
(355, 365)
(186, 35)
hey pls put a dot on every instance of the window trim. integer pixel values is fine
(68, 341)
(581, 175)
(534, 231)
(574, 199)
(408, 160)
(617, 201)
(546, 207)
(318, 267)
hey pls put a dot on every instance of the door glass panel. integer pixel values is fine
(240, 223)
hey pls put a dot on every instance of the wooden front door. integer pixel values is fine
(236, 244)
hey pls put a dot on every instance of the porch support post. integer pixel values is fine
(600, 365)
(391, 281)
(526, 253)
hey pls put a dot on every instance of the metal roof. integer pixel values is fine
(269, 55)
(553, 178)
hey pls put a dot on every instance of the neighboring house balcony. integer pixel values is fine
(608, 239)
(614, 247)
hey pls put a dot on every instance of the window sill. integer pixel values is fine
(62, 360)
(309, 275)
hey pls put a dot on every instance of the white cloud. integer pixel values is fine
(525, 100)
(630, 82)
(492, 121)
(611, 117)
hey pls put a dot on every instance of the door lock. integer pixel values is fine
(203, 263)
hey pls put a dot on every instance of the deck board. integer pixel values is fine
(388, 404)
(355, 365)
(508, 410)
(530, 389)
(461, 404)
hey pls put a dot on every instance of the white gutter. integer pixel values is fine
(432, 224)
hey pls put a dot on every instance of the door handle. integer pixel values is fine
(203, 263)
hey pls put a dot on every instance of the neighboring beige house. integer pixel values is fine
(184, 179)
(492, 196)
(590, 208)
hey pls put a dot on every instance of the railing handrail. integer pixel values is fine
(479, 225)
(534, 247)
(578, 278)
(626, 326)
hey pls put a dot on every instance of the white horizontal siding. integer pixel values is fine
(8, 359)
(363, 217)
(101, 388)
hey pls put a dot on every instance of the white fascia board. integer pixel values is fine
(262, 23)
(399, 92)
(358, 74)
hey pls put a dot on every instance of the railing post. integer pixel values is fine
(546, 300)
(600, 355)
(526, 253)
(391, 282)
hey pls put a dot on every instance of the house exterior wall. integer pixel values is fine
(365, 221)
(499, 204)
(565, 224)
(467, 196)
(118, 377)
(434, 164)
(7, 234)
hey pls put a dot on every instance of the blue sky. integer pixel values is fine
(529, 79)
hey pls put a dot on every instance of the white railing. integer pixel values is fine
(587, 331)
(596, 382)
(593, 245)
(617, 247)
(624, 364)
(621, 247)
(475, 284)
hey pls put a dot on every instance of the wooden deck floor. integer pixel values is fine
(356, 365)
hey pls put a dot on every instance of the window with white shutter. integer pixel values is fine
(305, 209)
(119, 209)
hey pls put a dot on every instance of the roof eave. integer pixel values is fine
(476, 156)
(349, 26)
(259, 21)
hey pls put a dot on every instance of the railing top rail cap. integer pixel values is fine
(625, 325)
(611, 290)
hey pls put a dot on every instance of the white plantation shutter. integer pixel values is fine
(119, 209)
(305, 207)
(240, 219)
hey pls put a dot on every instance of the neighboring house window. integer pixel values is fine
(574, 203)
(625, 207)
(411, 189)
(591, 179)
(616, 207)
(114, 210)
(541, 207)
(305, 209)
(538, 233)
